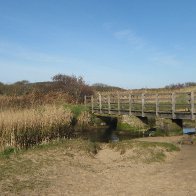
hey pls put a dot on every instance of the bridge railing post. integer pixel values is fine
(173, 105)
(118, 100)
(92, 103)
(85, 104)
(109, 106)
(143, 104)
(100, 104)
(157, 105)
(130, 104)
(192, 105)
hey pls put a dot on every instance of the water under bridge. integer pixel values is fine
(175, 105)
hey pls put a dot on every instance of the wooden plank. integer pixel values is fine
(109, 106)
(85, 101)
(173, 105)
(157, 105)
(130, 104)
(92, 104)
(118, 100)
(143, 104)
(192, 105)
(100, 104)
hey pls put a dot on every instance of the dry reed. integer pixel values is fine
(26, 127)
(33, 100)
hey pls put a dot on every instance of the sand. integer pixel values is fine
(112, 173)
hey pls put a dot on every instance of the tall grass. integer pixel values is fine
(26, 127)
(33, 100)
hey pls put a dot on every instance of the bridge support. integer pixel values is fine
(143, 119)
(132, 123)
(111, 123)
(178, 122)
(169, 126)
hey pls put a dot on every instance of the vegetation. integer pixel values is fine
(76, 109)
(104, 87)
(33, 113)
(180, 85)
(36, 113)
(132, 125)
(32, 100)
(130, 144)
(189, 123)
(43, 116)
(37, 168)
(70, 89)
(7, 152)
(27, 127)
(74, 86)
(125, 127)
(29, 169)
(145, 151)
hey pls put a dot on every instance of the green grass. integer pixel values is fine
(129, 144)
(156, 157)
(194, 140)
(86, 146)
(76, 109)
(7, 152)
(29, 169)
(147, 152)
(167, 146)
(167, 133)
(125, 127)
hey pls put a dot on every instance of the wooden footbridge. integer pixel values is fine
(176, 105)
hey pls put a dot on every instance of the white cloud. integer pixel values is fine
(20, 53)
(162, 59)
(131, 37)
(148, 51)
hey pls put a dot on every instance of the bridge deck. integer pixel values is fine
(164, 105)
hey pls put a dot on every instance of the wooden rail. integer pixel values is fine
(164, 105)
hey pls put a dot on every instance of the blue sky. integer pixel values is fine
(126, 43)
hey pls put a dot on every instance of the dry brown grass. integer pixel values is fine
(33, 100)
(26, 127)
(152, 91)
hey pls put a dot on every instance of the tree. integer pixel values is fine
(22, 82)
(1, 88)
(74, 86)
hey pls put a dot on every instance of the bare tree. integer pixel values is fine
(75, 86)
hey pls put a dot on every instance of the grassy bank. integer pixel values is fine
(24, 170)
(37, 168)
(144, 152)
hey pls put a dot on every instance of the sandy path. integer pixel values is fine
(109, 174)
(76, 173)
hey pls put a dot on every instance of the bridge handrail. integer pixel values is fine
(183, 101)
